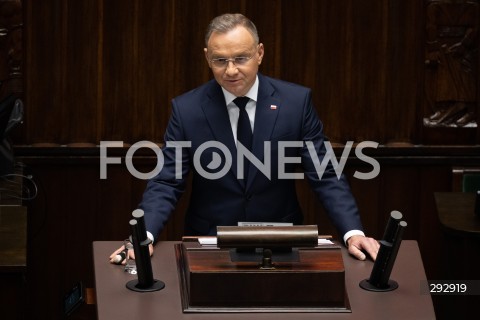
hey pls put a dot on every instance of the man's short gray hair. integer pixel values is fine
(229, 21)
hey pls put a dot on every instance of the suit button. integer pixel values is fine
(248, 197)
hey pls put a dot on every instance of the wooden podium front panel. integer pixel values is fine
(212, 282)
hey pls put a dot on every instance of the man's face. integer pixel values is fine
(236, 79)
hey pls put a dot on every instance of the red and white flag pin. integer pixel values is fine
(273, 107)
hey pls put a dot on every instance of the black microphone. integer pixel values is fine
(140, 241)
(391, 229)
(380, 275)
(138, 215)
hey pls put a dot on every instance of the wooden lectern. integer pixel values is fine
(303, 279)
(114, 301)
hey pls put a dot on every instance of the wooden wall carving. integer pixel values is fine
(11, 58)
(452, 62)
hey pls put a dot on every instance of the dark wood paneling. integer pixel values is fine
(107, 70)
(43, 56)
(404, 77)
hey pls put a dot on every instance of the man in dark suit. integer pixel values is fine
(209, 128)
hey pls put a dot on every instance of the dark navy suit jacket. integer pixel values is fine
(284, 112)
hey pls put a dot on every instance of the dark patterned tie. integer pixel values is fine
(244, 129)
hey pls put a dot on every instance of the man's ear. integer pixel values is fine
(261, 51)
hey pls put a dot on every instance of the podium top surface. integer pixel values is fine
(115, 301)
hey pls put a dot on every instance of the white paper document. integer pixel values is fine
(212, 241)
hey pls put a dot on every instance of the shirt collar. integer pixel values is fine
(252, 93)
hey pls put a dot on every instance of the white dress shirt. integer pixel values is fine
(234, 111)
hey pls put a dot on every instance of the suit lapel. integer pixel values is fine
(266, 114)
(217, 117)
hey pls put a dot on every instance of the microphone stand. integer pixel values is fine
(140, 241)
(380, 276)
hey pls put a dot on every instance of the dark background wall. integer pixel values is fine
(107, 70)
(98, 70)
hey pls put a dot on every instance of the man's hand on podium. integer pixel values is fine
(121, 252)
(358, 245)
